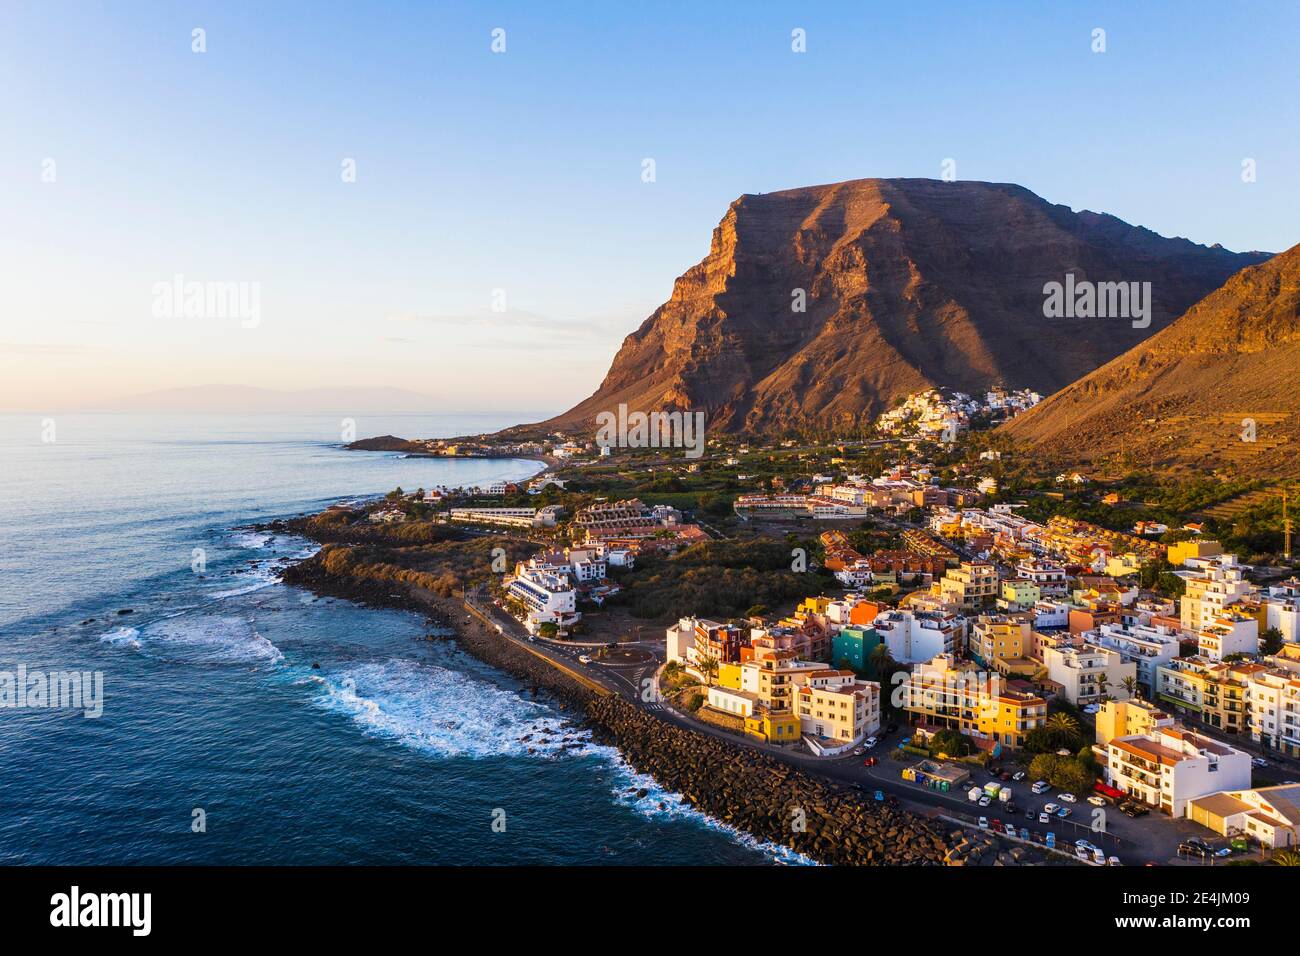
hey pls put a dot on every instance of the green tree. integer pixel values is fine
(1270, 642)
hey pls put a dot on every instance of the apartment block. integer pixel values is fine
(1087, 672)
(1147, 647)
(947, 693)
(1171, 766)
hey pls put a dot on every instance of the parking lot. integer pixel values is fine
(1150, 838)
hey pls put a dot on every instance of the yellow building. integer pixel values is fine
(958, 696)
(1194, 548)
(775, 728)
(971, 585)
(1021, 593)
(834, 706)
(729, 676)
(999, 636)
(1214, 691)
(1129, 718)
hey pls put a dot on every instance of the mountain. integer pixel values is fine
(1188, 395)
(909, 284)
(247, 400)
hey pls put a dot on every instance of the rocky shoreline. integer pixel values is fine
(743, 788)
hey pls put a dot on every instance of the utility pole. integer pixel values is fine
(1286, 529)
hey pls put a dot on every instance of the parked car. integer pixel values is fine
(1064, 812)
(1044, 818)
(1040, 786)
(985, 800)
(869, 762)
(1018, 775)
(1050, 807)
(870, 742)
(984, 823)
(1134, 810)
(1193, 849)
(1097, 801)
(1226, 851)
(1113, 861)
(1069, 798)
(584, 659)
(1031, 815)
(974, 793)
(1004, 776)
(1083, 854)
(1258, 762)
(1098, 857)
(996, 826)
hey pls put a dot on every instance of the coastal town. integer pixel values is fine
(919, 616)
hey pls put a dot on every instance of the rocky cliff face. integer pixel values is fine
(1215, 391)
(906, 284)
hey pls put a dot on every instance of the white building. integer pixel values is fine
(1219, 582)
(917, 636)
(1282, 609)
(1227, 634)
(1080, 672)
(1273, 701)
(548, 598)
(1146, 646)
(1171, 765)
(680, 640)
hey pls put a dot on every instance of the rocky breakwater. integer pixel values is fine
(773, 801)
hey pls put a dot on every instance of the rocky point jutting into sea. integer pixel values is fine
(738, 786)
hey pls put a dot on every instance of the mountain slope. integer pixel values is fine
(1183, 397)
(910, 283)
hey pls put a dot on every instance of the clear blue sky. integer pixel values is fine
(522, 171)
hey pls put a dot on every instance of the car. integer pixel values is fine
(995, 826)
(1030, 815)
(1098, 857)
(1004, 776)
(1113, 861)
(870, 742)
(974, 793)
(985, 800)
(1134, 810)
(869, 762)
(1193, 849)
(1064, 812)
(1083, 854)
(1097, 801)
(1018, 775)
(1226, 851)
(1050, 807)
(584, 659)
(1039, 786)
(1044, 818)
(1086, 845)
(1068, 798)
(879, 796)
(984, 823)
(1197, 841)
(1258, 762)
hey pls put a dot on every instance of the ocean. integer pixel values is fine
(247, 722)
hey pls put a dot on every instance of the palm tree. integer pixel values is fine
(708, 666)
(1102, 683)
(1130, 685)
(1063, 723)
(1286, 858)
